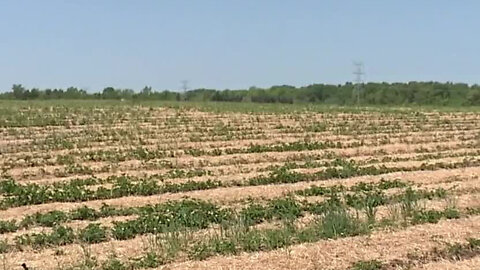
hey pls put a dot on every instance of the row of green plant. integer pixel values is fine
(311, 161)
(289, 209)
(56, 217)
(383, 184)
(197, 214)
(77, 169)
(72, 168)
(198, 131)
(9, 186)
(309, 122)
(202, 131)
(111, 155)
(233, 238)
(85, 138)
(175, 215)
(346, 169)
(18, 195)
(362, 188)
(36, 114)
(43, 113)
(31, 194)
(298, 146)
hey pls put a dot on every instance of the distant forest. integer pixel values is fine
(419, 93)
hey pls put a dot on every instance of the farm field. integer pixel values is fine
(112, 185)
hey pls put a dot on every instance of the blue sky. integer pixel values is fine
(235, 43)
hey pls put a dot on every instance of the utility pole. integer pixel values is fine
(358, 87)
(184, 85)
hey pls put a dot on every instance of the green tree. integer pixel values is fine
(18, 91)
(473, 97)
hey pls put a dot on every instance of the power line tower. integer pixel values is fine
(358, 88)
(184, 85)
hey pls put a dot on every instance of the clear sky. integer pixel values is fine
(235, 43)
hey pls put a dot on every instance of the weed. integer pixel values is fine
(8, 226)
(59, 236)
(408, 202)
(200, 251)
(93, 233)
(149, 260)
(284, 208)
(114, 264)
(426, 216)
(255, 213)
(4, 246)
(367, 265)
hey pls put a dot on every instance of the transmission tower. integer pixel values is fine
(358, 88)
(184, 85)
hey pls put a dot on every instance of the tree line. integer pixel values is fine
(420, 93)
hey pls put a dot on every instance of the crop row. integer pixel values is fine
(57, 217)
(148, 153)
(199, 214)
(30, 194)
(140, 135)
(73, 168)
(234, 237)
